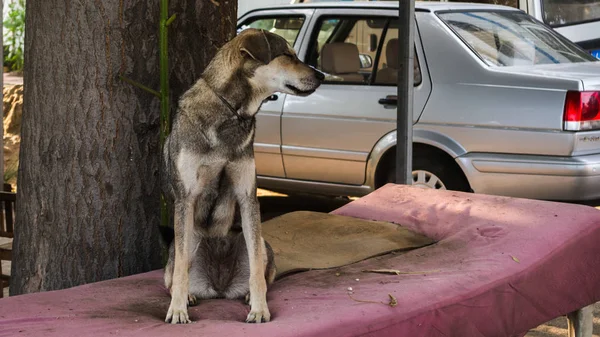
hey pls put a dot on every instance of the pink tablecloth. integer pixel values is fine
(501, 266)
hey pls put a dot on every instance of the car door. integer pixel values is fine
(291, 25)
(328, 135)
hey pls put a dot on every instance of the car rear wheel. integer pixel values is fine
(426, 179)
(433, 171)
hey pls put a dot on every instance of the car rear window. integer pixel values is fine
(512, 38)
(569, 12)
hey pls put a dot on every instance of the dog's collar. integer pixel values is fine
(231, 108)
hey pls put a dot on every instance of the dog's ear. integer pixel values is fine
(257, 46)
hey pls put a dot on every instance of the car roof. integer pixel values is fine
(419, 5)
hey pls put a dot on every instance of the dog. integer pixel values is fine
(208, 170)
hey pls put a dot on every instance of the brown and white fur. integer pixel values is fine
(209, 171)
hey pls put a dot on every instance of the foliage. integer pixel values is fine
(14, 35)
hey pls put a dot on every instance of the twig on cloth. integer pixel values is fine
(392, 303)
(398, 272)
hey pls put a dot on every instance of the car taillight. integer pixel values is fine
(582, 110)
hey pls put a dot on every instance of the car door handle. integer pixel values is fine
(272, 98)
(389, 100)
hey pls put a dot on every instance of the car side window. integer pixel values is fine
(388, 62)
(354, 50)
(287, 27)
(344, 48)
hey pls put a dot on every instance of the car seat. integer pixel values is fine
(341, 59)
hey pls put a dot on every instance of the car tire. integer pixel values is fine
(434, 173)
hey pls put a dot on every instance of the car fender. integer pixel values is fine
(422, 136)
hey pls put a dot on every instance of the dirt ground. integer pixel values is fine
(13, 110)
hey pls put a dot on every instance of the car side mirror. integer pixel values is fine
(365, 61)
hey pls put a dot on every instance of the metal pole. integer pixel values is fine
(404, 119)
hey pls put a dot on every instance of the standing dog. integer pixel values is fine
(209, 170)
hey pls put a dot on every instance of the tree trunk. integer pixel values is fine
(208, 27)
(88, 194)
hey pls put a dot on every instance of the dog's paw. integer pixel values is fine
(192, 300)
(258, 316)
(177, 316)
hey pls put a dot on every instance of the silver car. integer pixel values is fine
(502, 103)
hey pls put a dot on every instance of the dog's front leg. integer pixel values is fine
(243, 174)
(184, 224)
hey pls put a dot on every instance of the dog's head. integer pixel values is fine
(275, 65)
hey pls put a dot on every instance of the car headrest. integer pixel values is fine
(391, 53)
(340, 58)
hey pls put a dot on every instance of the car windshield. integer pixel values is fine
(511, 38)
(569, 12)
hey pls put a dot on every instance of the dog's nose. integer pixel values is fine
(320, 76)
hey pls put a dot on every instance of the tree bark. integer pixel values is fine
(209, 24)
(88, 194)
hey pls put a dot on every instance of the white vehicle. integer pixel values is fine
(577, 20)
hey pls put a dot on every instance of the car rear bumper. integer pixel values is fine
(538, 177)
